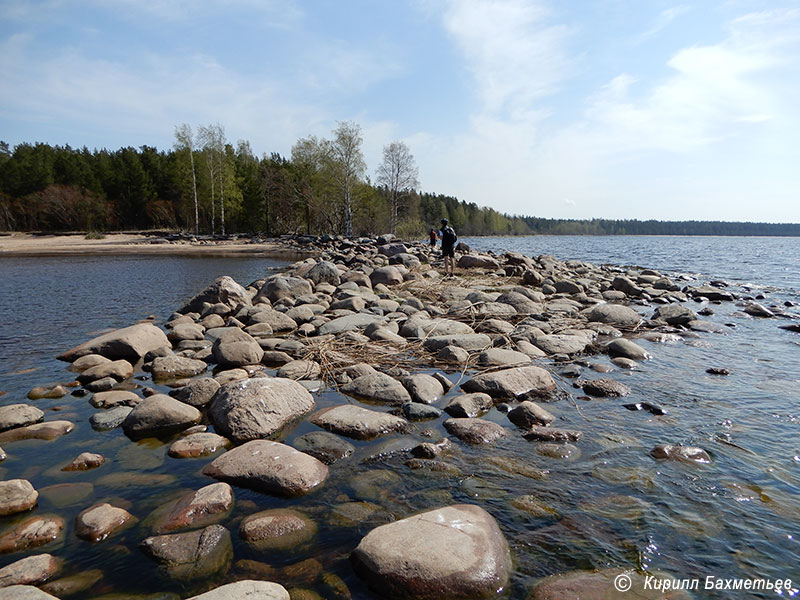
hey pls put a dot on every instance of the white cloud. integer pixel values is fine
(664, 20)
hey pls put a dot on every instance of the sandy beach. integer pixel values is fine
(26, 244)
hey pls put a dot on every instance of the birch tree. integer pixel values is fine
(347, 165)
(184, 140)
(398, 173)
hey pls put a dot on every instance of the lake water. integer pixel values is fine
(609, 504)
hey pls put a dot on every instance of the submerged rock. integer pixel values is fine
(605, 584)
(192, 555)
(31, 533)
(455, 552)
(198, 444)
(278, 529)
(326, 447)
(681, 453)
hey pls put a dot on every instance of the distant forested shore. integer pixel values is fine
(207, 186)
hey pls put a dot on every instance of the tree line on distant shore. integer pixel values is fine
(206, 185)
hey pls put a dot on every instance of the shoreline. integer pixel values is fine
(31, 245)
(490, 384)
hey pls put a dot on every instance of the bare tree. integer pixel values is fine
(185, 140)
(347, 164)
(398, 173)
(213, 139)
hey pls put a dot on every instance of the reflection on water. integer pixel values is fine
(610, 504)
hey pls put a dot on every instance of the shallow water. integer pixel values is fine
(609, 504)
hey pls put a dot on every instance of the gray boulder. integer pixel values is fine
(626, 349)
(159, 415)
(281, 286)
(350, 323)
(455, 552)
(499, 357)
(614, 314)
(389, 275)
(561, 343)
(130, 343)
(193, 555)
(475, 431)
(467, 341)
(324, 272)
(377, 387)
(423, 388)
(258, 408)
(19, 415)
(357, 422)
(235, 348)
(111, 418)
(269, 467)
(324, 446)
(477, 261)
(224, 290)
(674, 314)
(529, 413)
(246, 590)
(197, 392)
(517, 382)
(469, 405)
(176, 367)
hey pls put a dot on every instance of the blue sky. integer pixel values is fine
(579, 109)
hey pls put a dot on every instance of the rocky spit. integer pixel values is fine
(234, 371)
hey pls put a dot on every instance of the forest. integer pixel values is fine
(206, 185)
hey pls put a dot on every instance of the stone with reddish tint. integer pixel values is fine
(31, 533)
(31, 570)
(100, 521)
(277, 529)
(455, 552)
(604, 585)
(49, 430)
(199, 444)
(130, 343)
(85, 461)
(200, 508)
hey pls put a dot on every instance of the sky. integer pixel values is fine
(619, 109)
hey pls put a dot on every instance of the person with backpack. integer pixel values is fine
(449, 239)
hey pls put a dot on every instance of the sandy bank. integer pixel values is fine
(25, 244)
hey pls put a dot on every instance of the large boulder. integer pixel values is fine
(258, 408)
(281, 286)
(324, 272)
(518, 382)
(247, 589)
(561, 343)
(31, 570)
(224, 290)
(130, 343)
(614, 314)
(357, 422)
(478, 261)
(16, 495)
(389, 275)
(350, 323)
(455, 552)
(176, 367)
(100, 521)
(235, 348)
(160, 415)
(475, 431)
(269, 467)
(626, 349)
(193, 555)
(19, 415)
(377, 387)
(608, 584)
(674, 314)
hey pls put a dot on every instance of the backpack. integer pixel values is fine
(449, 236)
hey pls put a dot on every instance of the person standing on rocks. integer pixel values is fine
(449, 238)
(432, 236)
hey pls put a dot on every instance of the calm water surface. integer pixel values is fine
(609, 504)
